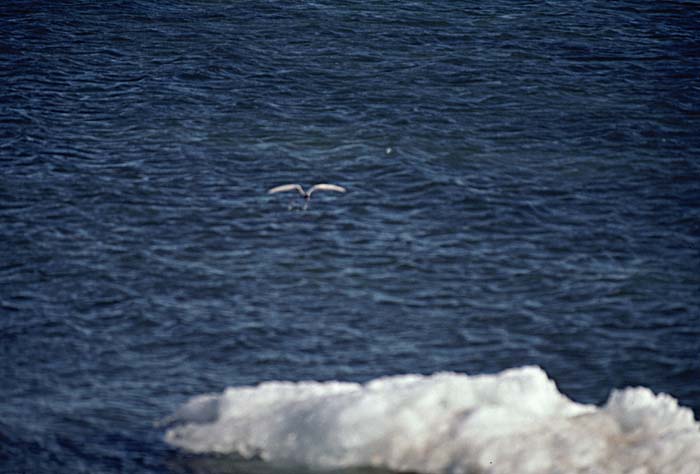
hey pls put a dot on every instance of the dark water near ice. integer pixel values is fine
(524, 188)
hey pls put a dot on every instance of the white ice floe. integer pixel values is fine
(512, 422)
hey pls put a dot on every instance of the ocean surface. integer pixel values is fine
(522, 219)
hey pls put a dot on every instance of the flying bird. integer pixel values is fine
(306, 194)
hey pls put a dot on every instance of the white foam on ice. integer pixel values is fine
(512, 422)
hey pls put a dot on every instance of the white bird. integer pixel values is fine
(306, 195)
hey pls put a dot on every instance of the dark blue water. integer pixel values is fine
(523, 188)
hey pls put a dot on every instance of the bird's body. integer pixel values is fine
(306, 194)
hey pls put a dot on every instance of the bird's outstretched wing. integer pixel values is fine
(326, 187)
(287, 187)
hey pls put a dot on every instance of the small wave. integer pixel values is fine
(514, 421)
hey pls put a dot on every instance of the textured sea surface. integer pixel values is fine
(523, 189)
